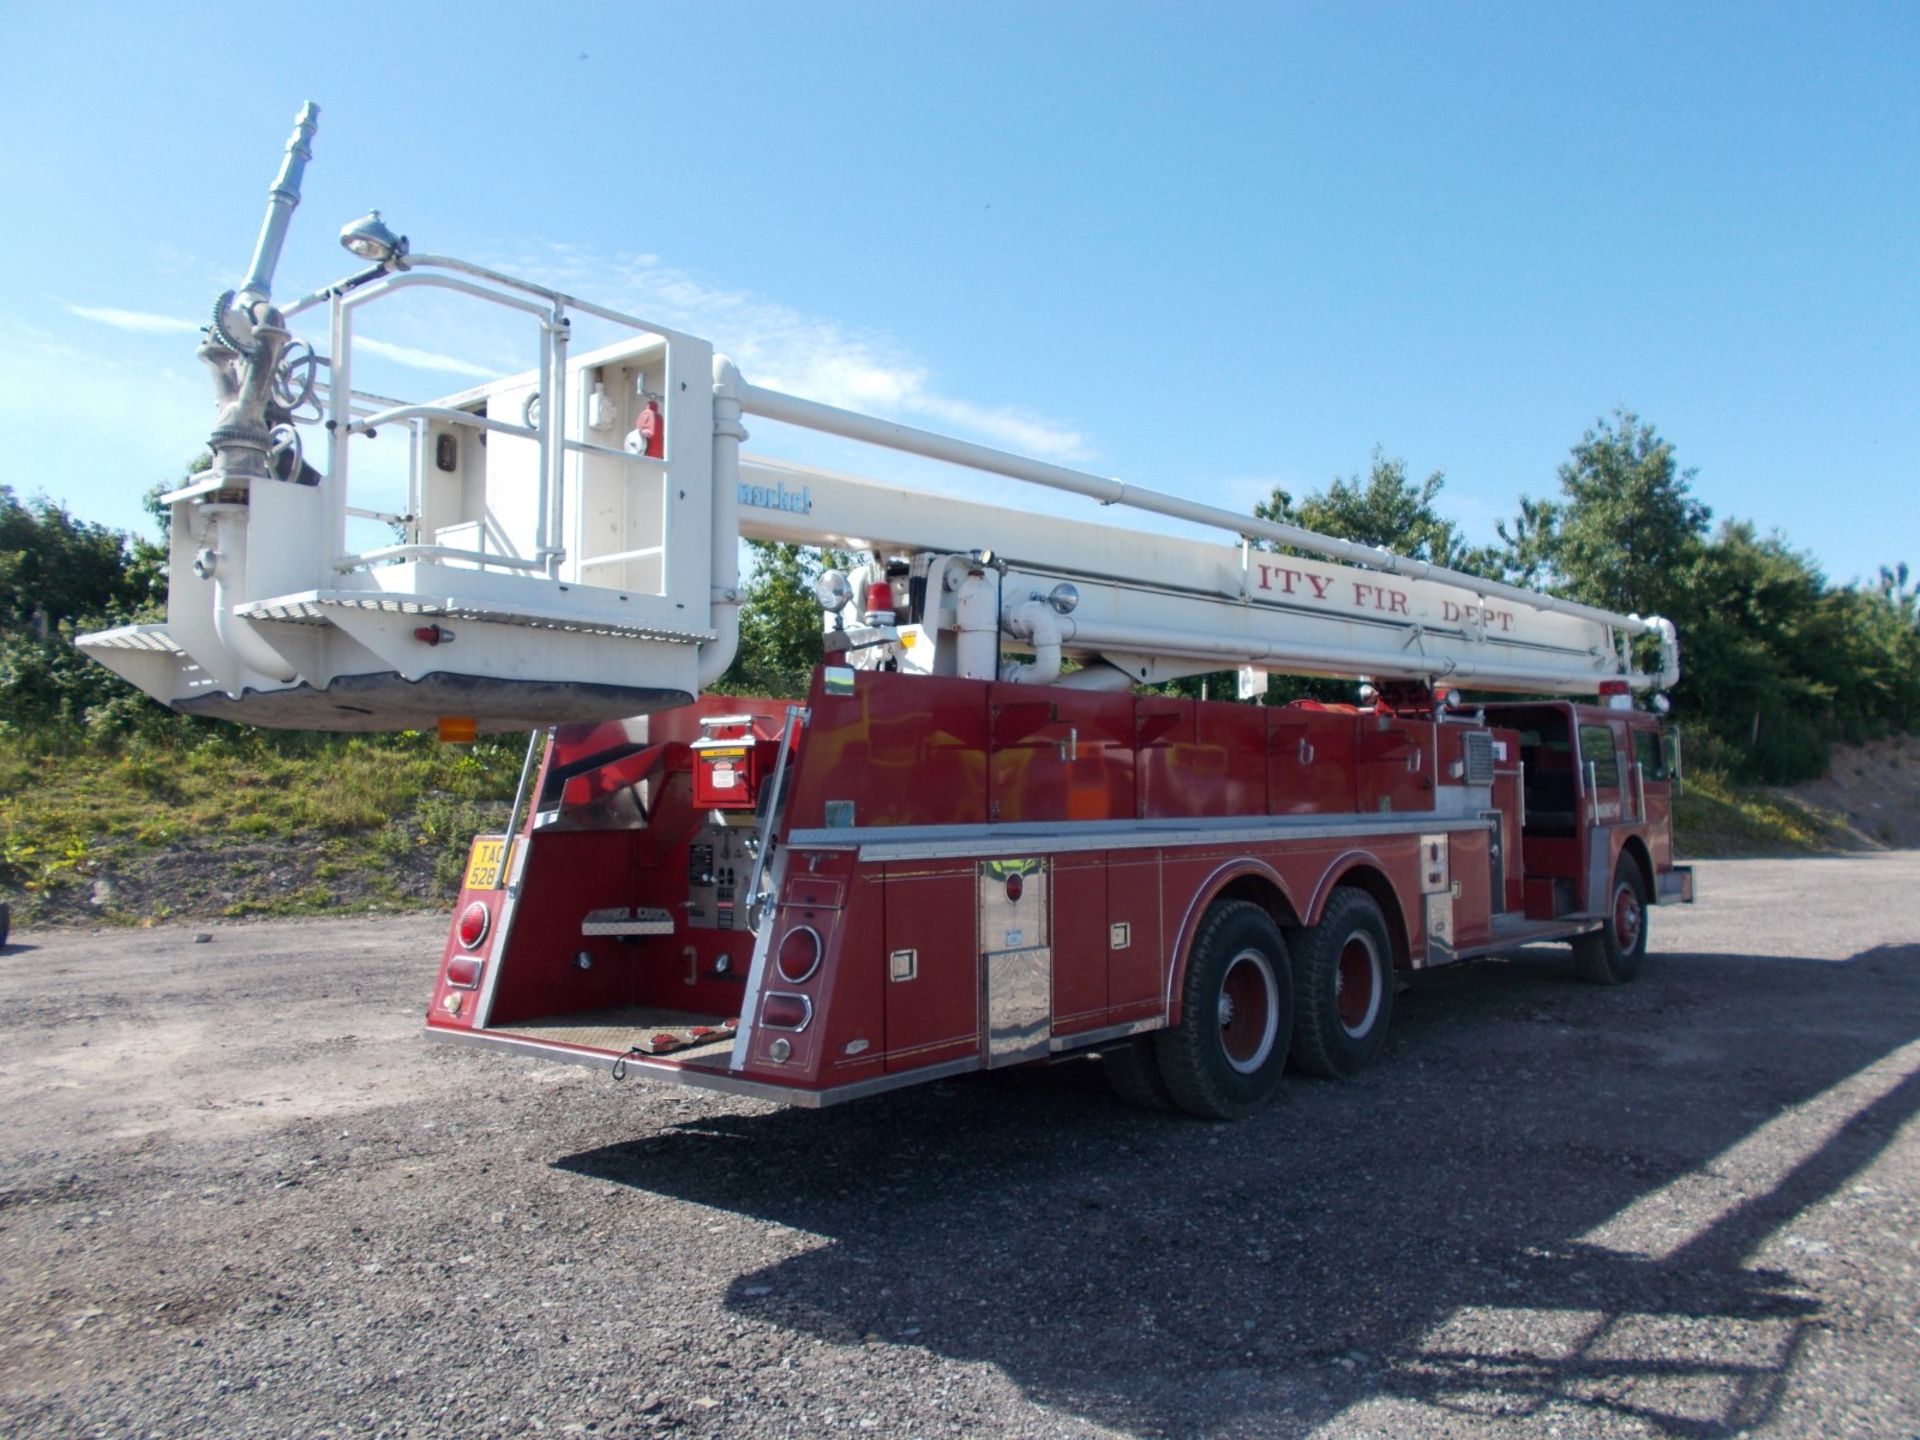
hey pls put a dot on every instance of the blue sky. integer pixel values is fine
(1207, 248)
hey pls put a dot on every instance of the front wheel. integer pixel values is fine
(1612, 954)
(1226, 1057)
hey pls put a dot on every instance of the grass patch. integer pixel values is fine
(285, 825)
(1716, 817)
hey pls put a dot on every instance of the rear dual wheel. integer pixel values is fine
(1226, 1057)
(1343, 990)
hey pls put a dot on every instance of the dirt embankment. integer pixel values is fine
(1871, 792)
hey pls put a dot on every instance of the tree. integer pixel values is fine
(54, 567)
(1756, 655)
(1625, 530)
(1385, 509)
(58, 577)
(779, 620)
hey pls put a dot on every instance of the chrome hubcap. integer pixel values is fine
(1249, 1011)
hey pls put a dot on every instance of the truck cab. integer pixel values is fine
(1596, 794)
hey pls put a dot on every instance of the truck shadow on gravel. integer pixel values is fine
(1446, 1230)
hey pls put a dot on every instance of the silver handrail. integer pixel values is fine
(796, 715)
(348, 416)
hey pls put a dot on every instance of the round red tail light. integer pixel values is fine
(1016, 887)
(472, 926)
(799, 954)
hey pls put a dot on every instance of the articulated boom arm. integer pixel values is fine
(568, 546)
(1150, 607)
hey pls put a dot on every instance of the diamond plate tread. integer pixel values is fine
(619, 921)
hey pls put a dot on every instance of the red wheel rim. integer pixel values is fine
(1356, 984)
(1249, 1011)
(1626, 919)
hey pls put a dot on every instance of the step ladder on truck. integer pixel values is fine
(979, 841)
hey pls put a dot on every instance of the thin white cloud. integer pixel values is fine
(139, 322)
(422, 359)
(142, 322)
(785, 349)
(776, 345)
(1031, 433)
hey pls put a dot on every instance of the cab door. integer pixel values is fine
(1601, 776)
(1655, 784)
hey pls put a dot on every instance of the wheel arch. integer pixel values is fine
(1247, 879)
(1362, 870)
(1634, 847)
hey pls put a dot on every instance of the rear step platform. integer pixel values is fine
(631, 1029)
(1515, 929)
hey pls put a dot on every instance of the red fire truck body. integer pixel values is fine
(975, 874)
(985, 839)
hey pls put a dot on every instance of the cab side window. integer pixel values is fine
(1649, 754)
(1596, 749)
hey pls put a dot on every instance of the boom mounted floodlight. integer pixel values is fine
(372, 239)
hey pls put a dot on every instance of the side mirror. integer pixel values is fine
(1670, 749)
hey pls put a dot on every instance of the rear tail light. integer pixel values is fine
(786, 1012)
(472, 926)
(799, 954)
(464, 971)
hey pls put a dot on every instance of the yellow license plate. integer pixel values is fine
(486, 863)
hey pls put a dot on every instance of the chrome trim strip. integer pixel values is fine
(699, 1078)
(1500, 946)
(819, 957)
(926, 842)
(757, 968)
(788, 995)
(513, 865)
(1060, 1044)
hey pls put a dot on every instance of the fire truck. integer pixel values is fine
(984, 838)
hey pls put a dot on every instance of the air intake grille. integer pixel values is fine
(1479, 758)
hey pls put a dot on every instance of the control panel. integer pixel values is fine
(719, 870)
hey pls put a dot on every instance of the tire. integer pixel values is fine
(1226, 1058)
(1134, 1074)
(1343, 987)
(6, 922)
(1612, 954)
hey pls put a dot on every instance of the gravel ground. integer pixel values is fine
(242, 1197)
